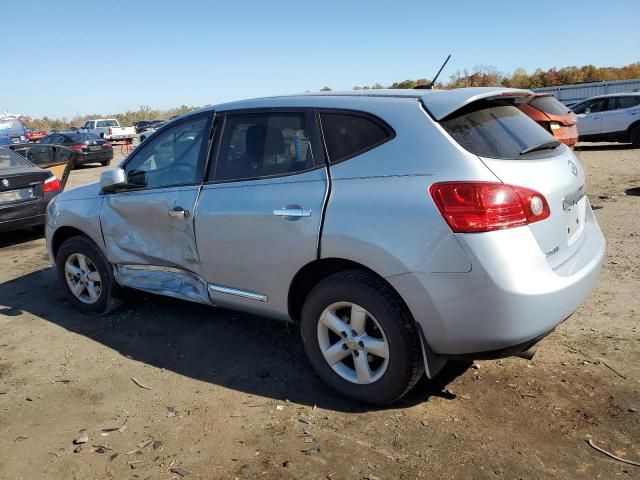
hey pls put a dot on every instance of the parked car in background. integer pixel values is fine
(150, 129)
(399, 228)
(25, 191)
(35, 134)
(610, 118)
(553, 116)
(57, 159)
(12, 130)
(109, 129)
(87, 147)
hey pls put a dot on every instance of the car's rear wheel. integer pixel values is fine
(106, 163)
(86, 277)
(360, 338)
(635, 136)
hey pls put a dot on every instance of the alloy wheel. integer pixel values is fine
(353, 343)
(83, 278)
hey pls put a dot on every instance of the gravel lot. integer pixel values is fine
(226, 395)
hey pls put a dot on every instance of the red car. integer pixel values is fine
(35, 134)
(553, 116)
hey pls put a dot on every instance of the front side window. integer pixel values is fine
(347, 135)
(258, 145)
(592, 106)
(172, 158)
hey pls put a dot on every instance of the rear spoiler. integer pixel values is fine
(442, 103)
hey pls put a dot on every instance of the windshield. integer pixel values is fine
(10, 160)
(497, 130)
(549, 105)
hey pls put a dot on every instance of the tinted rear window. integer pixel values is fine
(347, 135)
(549, 105)
(494, 130)
(10, 159)
(82, 137)
(107, 123)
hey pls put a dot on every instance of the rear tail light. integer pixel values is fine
(554, 126)
(110, 130)
(76, 147)
(51, 184)
(473, 207)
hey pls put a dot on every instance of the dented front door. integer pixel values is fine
(148, 227)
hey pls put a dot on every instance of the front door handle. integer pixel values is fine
(292, 212)
(178, 212)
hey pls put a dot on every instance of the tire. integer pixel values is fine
(108, 294)
(635, 137)
(387, 319)
(106, 163)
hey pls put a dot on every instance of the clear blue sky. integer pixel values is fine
(69, 57)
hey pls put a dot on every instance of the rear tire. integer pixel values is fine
(372, 323)
(635, 137)
(87, 278)
(106, 163)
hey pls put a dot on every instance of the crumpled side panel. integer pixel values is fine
(171, 282)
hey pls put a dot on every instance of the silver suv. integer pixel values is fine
(398, 229)
(610, 118)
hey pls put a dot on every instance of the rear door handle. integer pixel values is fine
(178, 212)
(292, 212)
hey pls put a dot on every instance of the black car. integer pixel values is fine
(88, 148)
(25, 191)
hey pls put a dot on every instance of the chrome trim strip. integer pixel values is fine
(238, 292)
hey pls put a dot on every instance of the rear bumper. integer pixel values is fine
(22, 222)
(82, 158)
(511, 298)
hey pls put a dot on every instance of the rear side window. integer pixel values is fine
(549, 105)
(626, 102)
(347, 135)
(259, 145)
(495, 130)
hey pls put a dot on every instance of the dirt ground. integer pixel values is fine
(225, 395)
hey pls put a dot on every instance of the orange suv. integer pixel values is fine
(553, 116)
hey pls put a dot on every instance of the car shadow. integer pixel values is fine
(235, 350)
(604, 146)
(15, 237)
(634, 191)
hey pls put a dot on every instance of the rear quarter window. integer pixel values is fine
(348, 134)
(496, 130)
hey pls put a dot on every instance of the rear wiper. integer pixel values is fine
(546, 145)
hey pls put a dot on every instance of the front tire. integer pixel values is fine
(360, 338)
(86, 277)
(635, 137)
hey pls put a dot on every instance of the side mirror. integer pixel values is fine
(113, 179)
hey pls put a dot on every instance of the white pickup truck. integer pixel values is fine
(109, 129)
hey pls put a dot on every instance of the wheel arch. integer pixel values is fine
(62, 234)
(632, 127)
(316, 271)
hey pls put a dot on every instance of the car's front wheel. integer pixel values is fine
(360, 338)
(635, 136)
(86, 277)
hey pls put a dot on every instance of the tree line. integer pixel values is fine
(480, 76)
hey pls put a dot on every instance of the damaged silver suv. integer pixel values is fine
(399, 229)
